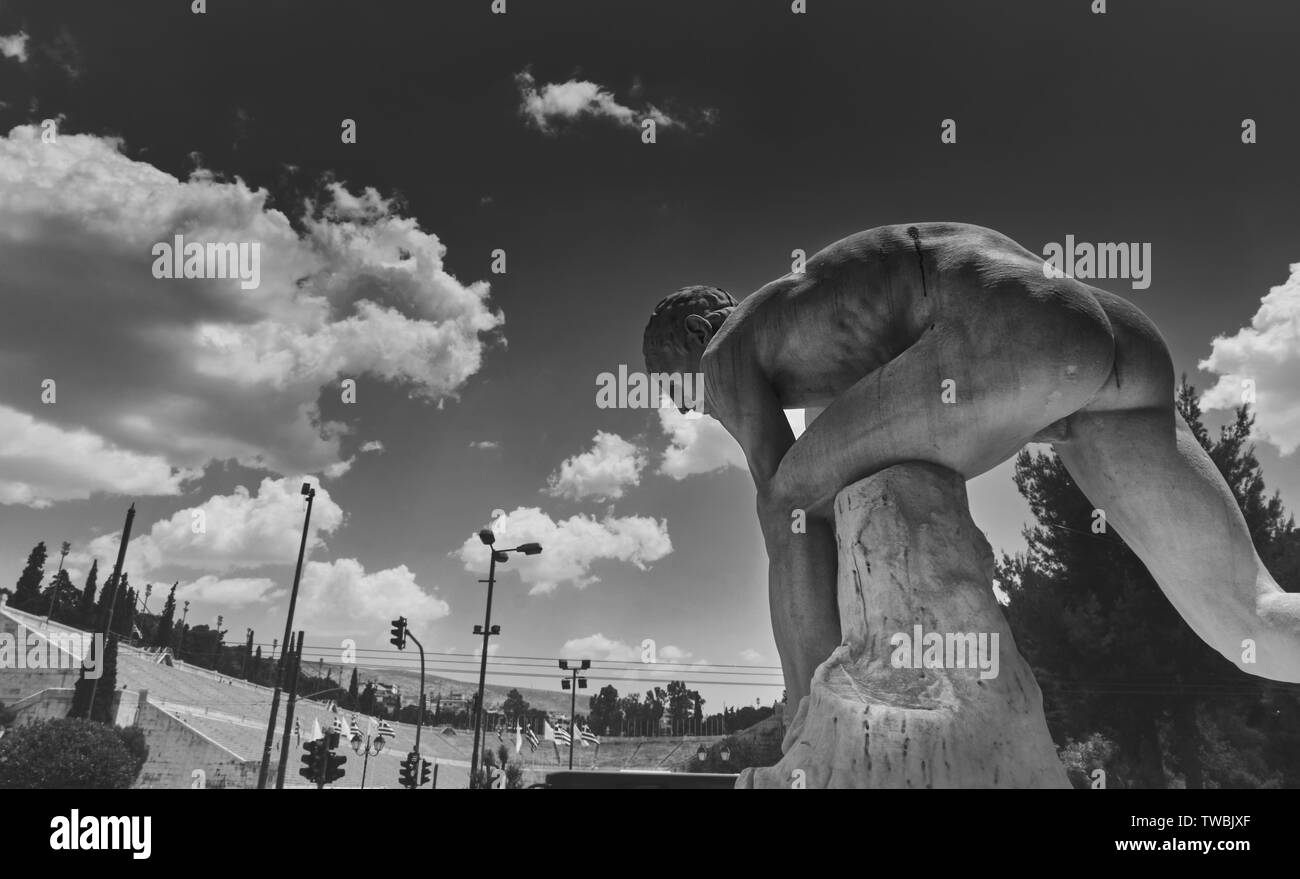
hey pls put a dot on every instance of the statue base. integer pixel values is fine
(927, 689)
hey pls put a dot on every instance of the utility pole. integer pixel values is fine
(309, 493)
(112, 599)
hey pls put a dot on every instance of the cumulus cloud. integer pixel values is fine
(553, 104)
(232, 592)
(570, 546)
(14, 46)
(601, 473)
(188, 371)
(1267, 352)
(339, 597)
(485, 445)
(751, 655)
(599, 647)
(226, 532)
(41, 463)
(696, 444)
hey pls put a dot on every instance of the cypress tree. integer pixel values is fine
(27, 594)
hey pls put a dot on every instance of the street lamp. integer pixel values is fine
(310, 494)
(496, 556)
(369, 747)
(54, 593)
(573, 683)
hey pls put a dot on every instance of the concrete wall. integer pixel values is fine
(15, 683)
(176, 750)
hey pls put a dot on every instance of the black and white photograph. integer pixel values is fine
(625, 396)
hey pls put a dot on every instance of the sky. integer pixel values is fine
(493, 239)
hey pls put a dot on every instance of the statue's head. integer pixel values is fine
(681, 327)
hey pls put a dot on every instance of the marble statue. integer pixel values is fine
(949, 344)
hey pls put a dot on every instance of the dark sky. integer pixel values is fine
(1117, 127)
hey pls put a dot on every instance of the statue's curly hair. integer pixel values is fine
(666, 330)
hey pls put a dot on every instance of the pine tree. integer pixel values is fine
(27, 593)
(1109, 651)
(353, 692)
(64, 595)
(162, 636)
(257, 666)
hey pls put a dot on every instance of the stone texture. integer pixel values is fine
(909, 554)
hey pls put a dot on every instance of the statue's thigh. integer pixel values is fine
(972, 390)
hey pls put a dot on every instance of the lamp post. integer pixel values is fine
(309, 493)
(573, 682)
(368, 746)
(487, 630)
(55, 592)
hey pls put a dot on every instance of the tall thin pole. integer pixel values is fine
(288, 633)
(573, 712)
(419, 717)
(482, 669)
(54, 593)
(294, 664)
(112, 599)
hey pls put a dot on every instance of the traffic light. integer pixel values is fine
(311, 760)
(406, 775)
(424, 772)
(334, 767)
(399, 633)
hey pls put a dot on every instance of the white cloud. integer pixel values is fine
(372, 446)
(570, 546)
(696, 444)
(41, 463)
(669, 653)
(240, 531)
(233, 592)
(599, 647)
(192, 371)
(1268, 351)
(485, 444)
(602, 473)
(751, 655)
(561, 102)
(14, 46)
(339, 597)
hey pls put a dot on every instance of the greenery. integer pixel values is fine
(1127, 686)
(71, 753)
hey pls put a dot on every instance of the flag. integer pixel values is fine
(562, 736)
(532, 739)
(337, 726)
(548, 731)
(519, 739)
(331, 706)
(589, 737)
(356, 731)
(386, 729)
(316, 734)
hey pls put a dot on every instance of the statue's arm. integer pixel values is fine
(743, 401)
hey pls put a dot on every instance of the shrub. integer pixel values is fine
(70, 753)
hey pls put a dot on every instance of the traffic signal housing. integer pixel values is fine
(406, 775)
(424, 772)
(334, 767)
(311, 760)
(399, 633)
